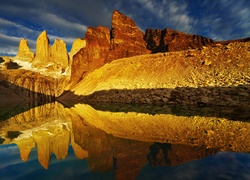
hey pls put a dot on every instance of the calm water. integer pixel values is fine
(52, 141)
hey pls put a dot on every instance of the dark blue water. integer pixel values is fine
(109, 157)
(222, 165)
(12, 167)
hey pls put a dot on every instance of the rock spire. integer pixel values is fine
(24, 52)
(42, 51)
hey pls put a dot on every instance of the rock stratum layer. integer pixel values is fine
(32, 85)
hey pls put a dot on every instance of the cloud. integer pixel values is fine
(231, 22)
(68, 20)
(56, 23)
(9, 45)
(63, 19)
(171, 14)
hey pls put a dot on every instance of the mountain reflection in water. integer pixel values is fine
(80, 142)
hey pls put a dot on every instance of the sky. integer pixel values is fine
(69, 19)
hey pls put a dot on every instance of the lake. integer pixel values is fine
(123, 141)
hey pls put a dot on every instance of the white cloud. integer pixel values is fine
(229, 20)
(60, 23)
(67, 40)
(171, 13)
(20, 30)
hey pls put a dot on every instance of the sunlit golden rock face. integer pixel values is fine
(208, 68)
(52, 59)
(103, 45)
(25, 146)
(59, 55)
(76, 46)
(210, 132)
(93, 55)
(32, 84)
(42, 51)
(24, 52)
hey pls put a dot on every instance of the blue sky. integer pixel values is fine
(69, 19)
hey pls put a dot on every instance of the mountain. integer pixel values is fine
(125, 39)
(24, 52)
(124, 57)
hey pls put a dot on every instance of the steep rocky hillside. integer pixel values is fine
(125, 39)
(189, 76)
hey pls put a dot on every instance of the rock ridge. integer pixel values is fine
(125, 39)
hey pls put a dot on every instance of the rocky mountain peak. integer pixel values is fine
(103, 45)
(76, 46)
(42, 50)
(126, 38)
(59, 54)
(24, 52)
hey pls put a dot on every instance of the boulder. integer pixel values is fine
(42, 51)
(24, 52)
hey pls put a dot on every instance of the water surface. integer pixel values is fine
(123, 142)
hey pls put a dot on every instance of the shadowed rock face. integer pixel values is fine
(24, 52)
(171, 40)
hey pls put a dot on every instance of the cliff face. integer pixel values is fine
(93, 55)
(103, 45)
(31, 84)
(170, 40)
(126, 40)
(76, 46)
(24, 52)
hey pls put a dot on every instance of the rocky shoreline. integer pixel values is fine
(203, 96)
